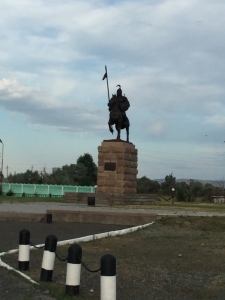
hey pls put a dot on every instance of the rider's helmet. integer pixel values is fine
(119, 91)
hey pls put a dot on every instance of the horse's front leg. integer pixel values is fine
(110, 127)
(118, 128)
(118, 134)
(127, 129)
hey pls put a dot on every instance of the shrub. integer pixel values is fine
(9, 193)
(180, 195)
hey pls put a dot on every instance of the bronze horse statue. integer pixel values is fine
(117, 107)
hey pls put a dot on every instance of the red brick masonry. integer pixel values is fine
(121, 180)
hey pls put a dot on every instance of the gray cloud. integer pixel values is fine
(167, 55)
(40, 110)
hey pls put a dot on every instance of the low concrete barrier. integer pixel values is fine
(26, 217)
(118, 218)
(111, 199)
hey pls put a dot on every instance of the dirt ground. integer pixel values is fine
(175, 258)
(14, 286)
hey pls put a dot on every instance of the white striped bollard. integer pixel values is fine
(48, 258)
(108, 277)
(73, 270)
(24, 250)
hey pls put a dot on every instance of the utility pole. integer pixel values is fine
(7, 171)
(2, 163)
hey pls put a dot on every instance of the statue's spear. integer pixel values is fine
(106, 77)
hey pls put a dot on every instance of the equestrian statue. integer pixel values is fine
(118, 105)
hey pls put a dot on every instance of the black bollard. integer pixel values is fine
(91, 201)
(48, 258)
(73, 270)
(49, 218)
(108, 277)
(24, 250)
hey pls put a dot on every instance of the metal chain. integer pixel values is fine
(41, 247)
(92, 271)
(61, 259)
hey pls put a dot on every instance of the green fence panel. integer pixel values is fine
(70, 189)
(5, 188)
(29, 189)
(84, 189)
(56, 190)
(17, 189)
(42, 190)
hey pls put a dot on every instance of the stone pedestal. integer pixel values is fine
(117, 168)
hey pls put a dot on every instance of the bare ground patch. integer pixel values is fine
(175, 258)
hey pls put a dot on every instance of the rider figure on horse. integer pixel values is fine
(122, 101)
(118, 105)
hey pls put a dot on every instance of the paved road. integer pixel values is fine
(38, 207)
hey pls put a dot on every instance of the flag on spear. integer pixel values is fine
(106, 77)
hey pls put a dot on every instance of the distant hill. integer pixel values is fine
(213, 182)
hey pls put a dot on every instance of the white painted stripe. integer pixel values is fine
(68, 242)
(108, 287)
(89, 237)
(103, 235)
(48, 260)
(4, 265)
(24, 253)
(73, 274)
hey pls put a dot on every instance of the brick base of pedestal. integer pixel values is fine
(117, 168)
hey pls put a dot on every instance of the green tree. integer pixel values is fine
(31, 177)
(196, 188)
(84, 172)
(208, 191)
(61, 176)
(80, 175)
(170, 182)
(88, 162)
(27, 177)
(181, 188)
(147, 186)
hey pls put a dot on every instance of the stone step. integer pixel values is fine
(108, 199)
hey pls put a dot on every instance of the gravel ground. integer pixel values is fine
(173, 259)
(12, 286)
(166, 261)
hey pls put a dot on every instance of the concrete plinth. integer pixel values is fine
(117, 168)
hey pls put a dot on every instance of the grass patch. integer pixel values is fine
(13, 199)
(182, 206)
(197, 223)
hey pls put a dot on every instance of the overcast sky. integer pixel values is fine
(168, 56)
